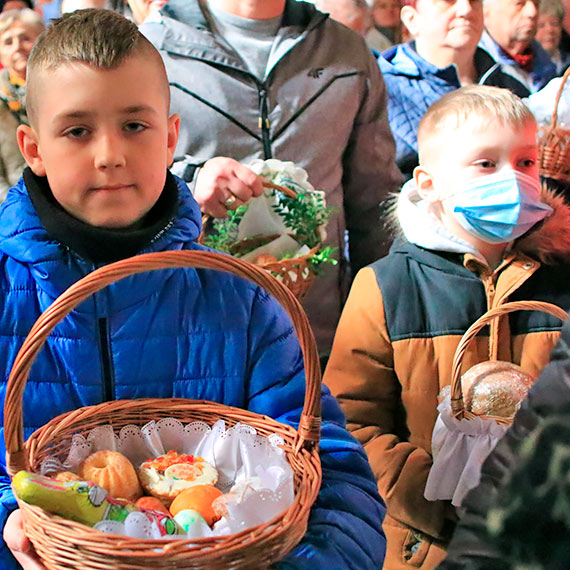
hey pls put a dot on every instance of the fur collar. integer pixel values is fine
(549, 241)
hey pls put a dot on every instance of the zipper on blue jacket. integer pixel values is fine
(264, 123)
(106, 361)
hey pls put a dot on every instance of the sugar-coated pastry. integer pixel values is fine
(112, 471)
(495, 388)
(165, 477)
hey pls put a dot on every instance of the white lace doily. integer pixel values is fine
(459, 448)
(241, 456)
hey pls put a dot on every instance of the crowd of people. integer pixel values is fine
(121, 124)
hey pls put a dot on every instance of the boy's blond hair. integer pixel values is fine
(101, 39)
(25, 16)
(474, 103)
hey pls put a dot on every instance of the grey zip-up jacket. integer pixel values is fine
(321, 104)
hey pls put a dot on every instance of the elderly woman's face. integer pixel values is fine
(16, 43)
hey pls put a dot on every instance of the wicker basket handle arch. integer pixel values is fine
(554, 118)
(457, 404)
(309, 426)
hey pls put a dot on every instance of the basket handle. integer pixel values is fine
(457, 404)
(310, 421)
(266, 184)
(554, 118)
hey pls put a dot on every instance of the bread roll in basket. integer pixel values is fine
(476, 410)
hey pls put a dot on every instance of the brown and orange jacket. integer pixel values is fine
(395, 343)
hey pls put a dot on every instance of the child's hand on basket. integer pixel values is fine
(19, 544)
(224, 184)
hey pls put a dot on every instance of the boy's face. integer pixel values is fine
(103, 138)
(492, 147)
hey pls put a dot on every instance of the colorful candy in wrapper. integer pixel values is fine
(83, 501)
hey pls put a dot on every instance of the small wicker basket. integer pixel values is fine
(64, 544)
(295, 272)
(457, 403)
(554, 144)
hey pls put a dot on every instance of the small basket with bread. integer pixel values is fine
(180, 483)
(282, 231)
(476, 410)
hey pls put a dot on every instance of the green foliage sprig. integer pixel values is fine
(224, 231)
(302, 215)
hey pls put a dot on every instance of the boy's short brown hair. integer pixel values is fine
(481, 103)
(101, 39)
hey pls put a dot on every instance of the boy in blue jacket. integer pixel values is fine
(97, 190)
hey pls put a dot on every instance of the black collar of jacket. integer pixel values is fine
(100, 245)
(490, 72)
(449, 262)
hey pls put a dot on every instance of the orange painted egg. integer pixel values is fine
(152, 504)
(198, 498)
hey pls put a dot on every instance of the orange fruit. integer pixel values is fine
(152, 504)
(197, 498)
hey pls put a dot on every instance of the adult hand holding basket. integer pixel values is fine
(461, 439)
(63, 543)
(282, 230)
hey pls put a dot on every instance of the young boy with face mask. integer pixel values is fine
(476, 231)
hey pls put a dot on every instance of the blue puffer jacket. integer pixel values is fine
(183, 333)
(414, 83)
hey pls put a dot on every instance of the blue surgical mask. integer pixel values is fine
(500, 207)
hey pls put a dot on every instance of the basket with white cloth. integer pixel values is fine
(476, 410)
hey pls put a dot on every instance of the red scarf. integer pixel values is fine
(524, 61)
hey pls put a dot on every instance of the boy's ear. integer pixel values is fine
(424, 184)
(408, 17)
(173, 130)
(29, 147)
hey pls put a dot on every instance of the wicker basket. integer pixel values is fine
(554, 144)
(295, 273)
(457, 404)
(62, 543)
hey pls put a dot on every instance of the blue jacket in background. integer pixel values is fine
(414, 83)
(176, 333)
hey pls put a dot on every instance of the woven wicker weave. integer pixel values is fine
(457, 404)
(62, 543)
(554, 144)
(294, 273)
